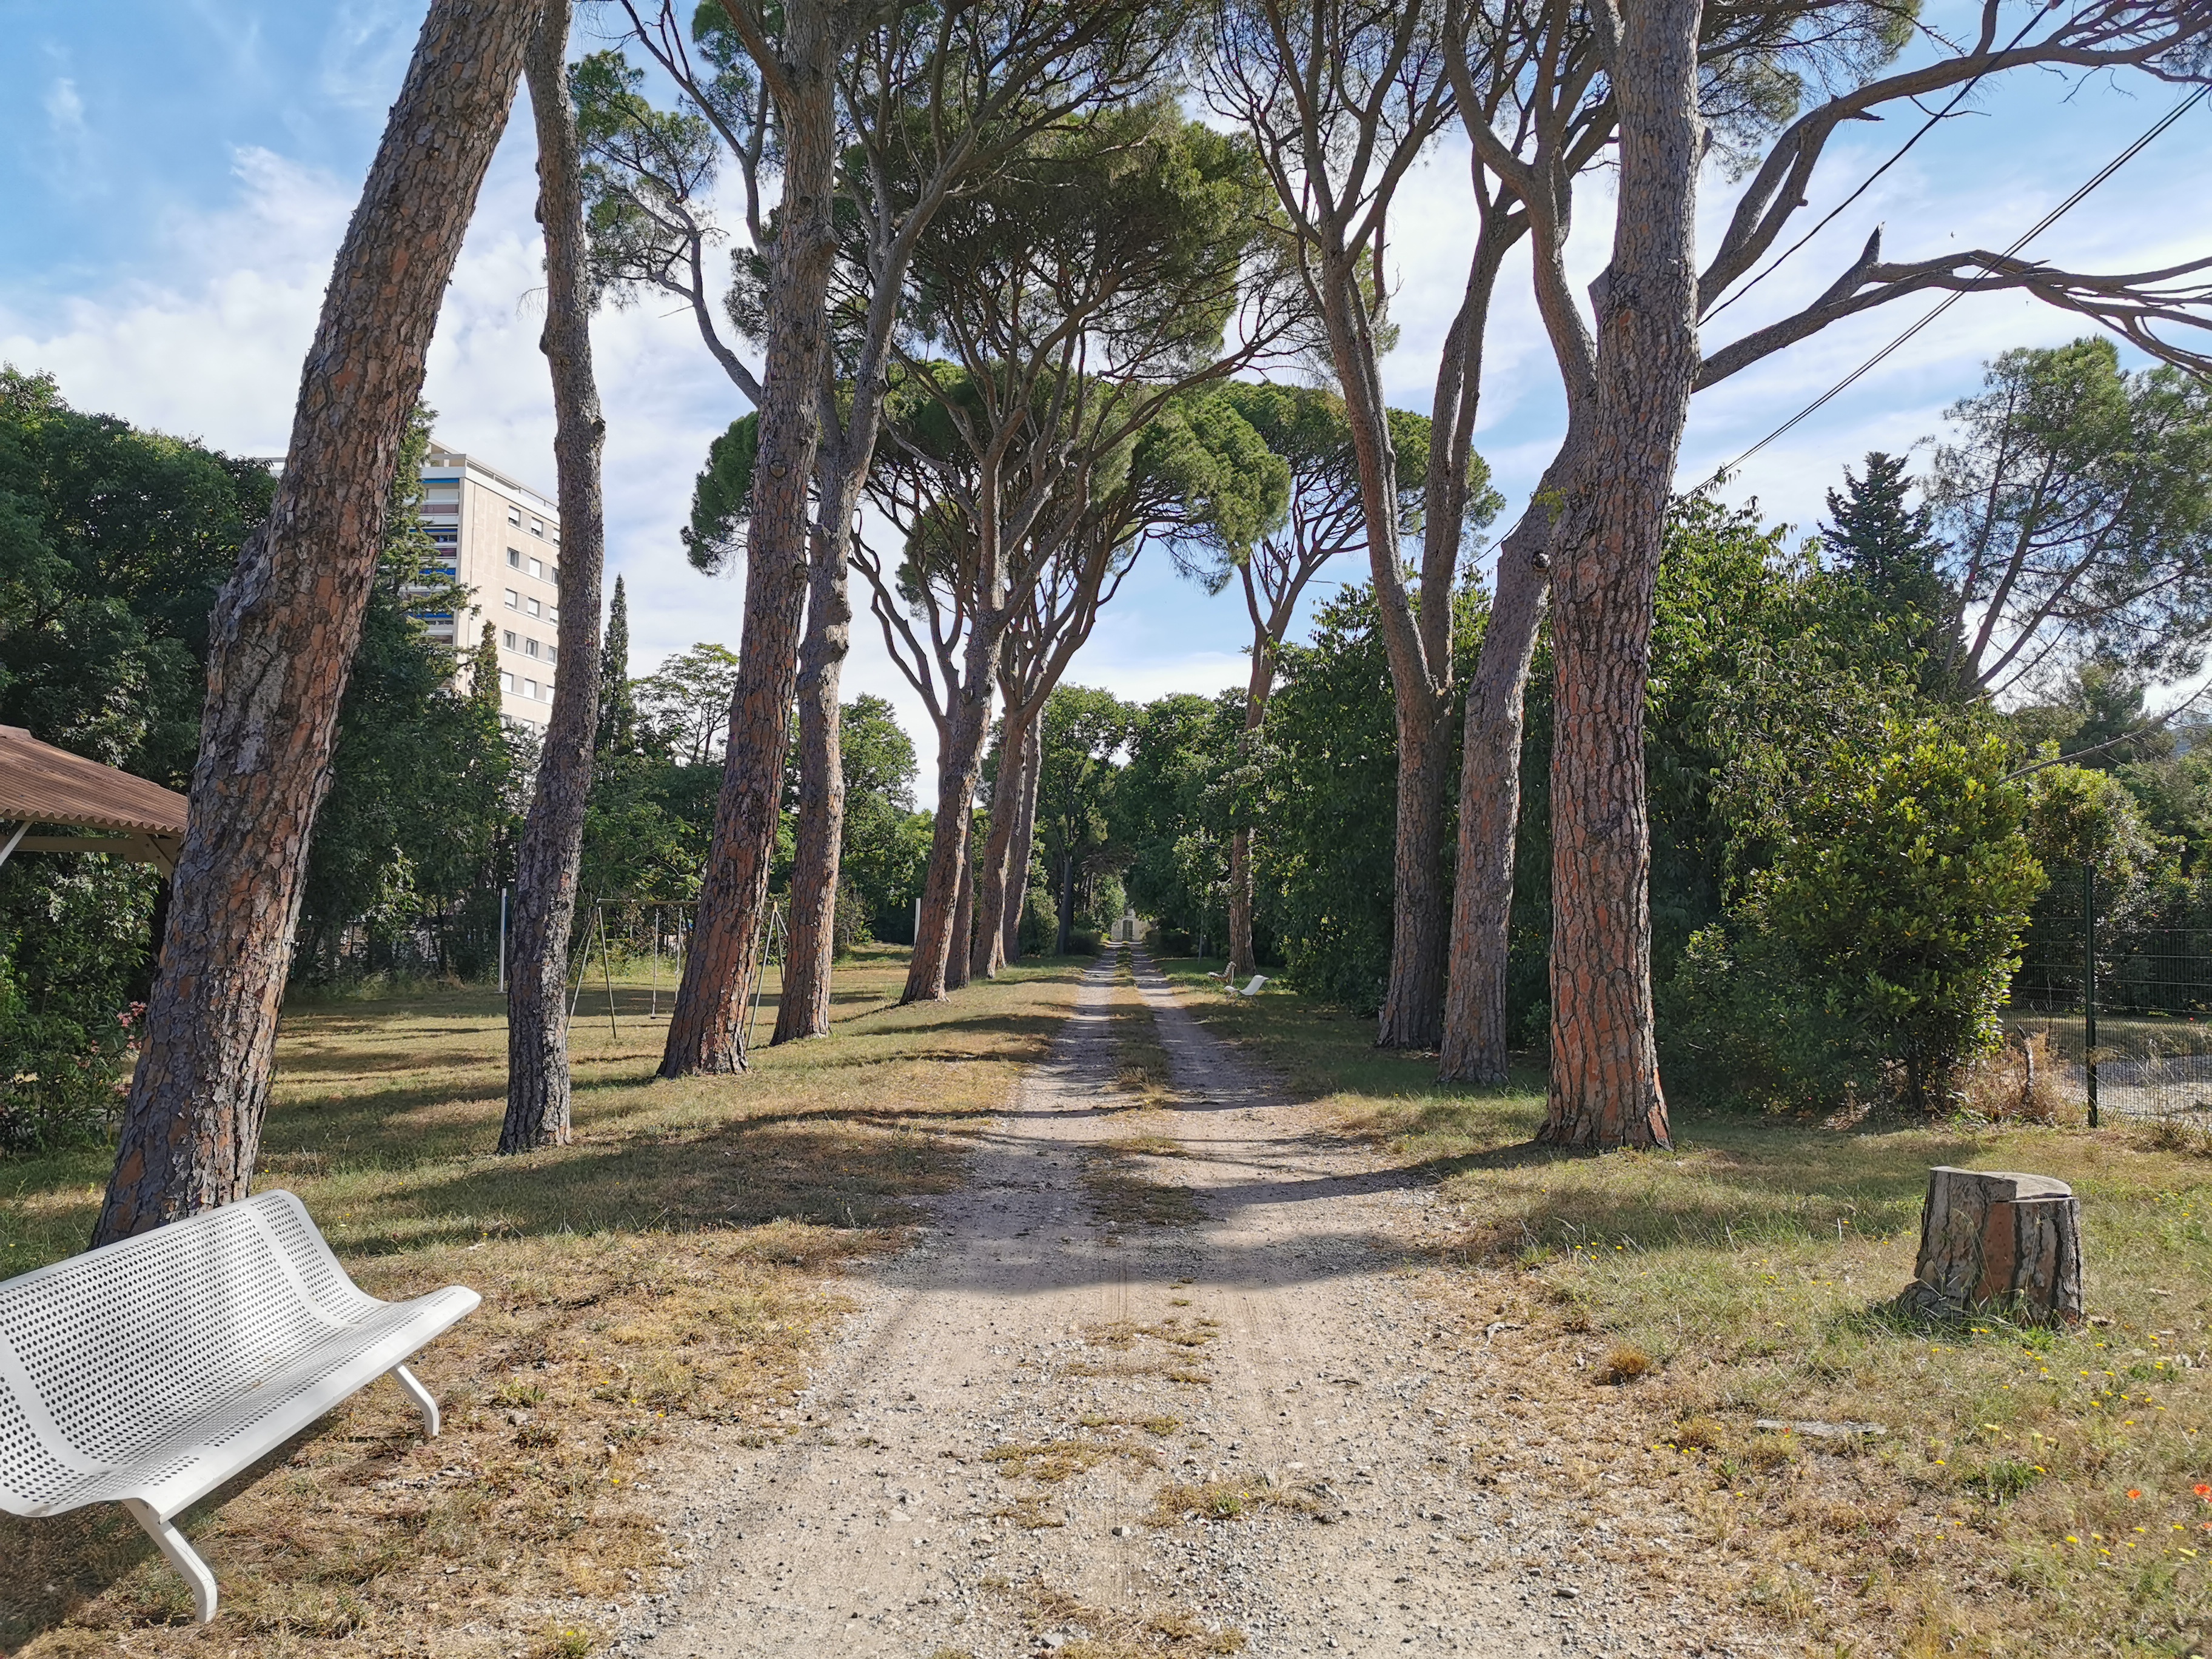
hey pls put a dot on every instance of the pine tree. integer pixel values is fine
(1890, 548)
(617, 732)
(1891, 552)
(483, 673)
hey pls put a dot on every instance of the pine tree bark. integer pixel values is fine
(960, 957)
(803, 1010)
(706, 1030)
(1604, 1065)
(1474, 1047)
(929, 976)
(552, 849)
(1018, 857)
(285, 628)
(989, 951)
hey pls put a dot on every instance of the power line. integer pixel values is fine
(1927, 127)
(1952, 299)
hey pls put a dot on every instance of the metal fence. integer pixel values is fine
(2121, 1013)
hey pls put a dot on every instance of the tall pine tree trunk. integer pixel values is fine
(803, 1008)
(960, 765)
(552, 849)
(1473, 1048)
(1007, 791)
(1413, 1005)
(705, 1029)
(1018, 857)
(959, 959)
(285, 628)
(1605, 1065)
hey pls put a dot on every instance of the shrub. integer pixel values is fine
(1882, 939)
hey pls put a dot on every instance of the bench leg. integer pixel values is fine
(421, 1396)
(181, 1555)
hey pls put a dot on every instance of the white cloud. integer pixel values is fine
(65, 109)
(205, 335)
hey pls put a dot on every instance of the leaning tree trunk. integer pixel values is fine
(546, 865)
(803, 1008)
(706, 1031)
(1017, 857)
(1473, 1049)
(285, 628)
(959, 766)
(1605, 1062)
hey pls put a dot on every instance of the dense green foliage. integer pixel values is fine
(112, 545)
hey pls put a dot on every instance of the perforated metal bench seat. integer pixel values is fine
(149, 1371)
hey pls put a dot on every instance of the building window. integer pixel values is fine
(537, 526)
(553, 611)
(552, 653)
(507, 638)
(531, 605)
(514, 600)
(515, 557)
(557, 568)
(514, 515)
(530, 690)
(537, 569)
(530, 647)
(506, 679)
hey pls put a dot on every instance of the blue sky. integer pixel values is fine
(175, 178)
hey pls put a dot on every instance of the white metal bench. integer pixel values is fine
(148, 1372)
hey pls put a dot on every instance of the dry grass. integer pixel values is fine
(1054, 1460)
(1227, 1500)
(1117, 1634)
(651, 1292)
(2035, 1490)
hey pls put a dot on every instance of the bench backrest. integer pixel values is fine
(115, 1347)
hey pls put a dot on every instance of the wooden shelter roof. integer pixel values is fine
(41, 784)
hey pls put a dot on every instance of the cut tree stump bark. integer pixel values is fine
(2000, 1240)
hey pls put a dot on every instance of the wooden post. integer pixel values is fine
(1998, 1239)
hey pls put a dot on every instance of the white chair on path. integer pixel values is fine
(149, 1371)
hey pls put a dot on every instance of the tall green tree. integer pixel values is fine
(113, 544)
(1083, 726)
(2077, 498)
(618, 722)
(873, 119)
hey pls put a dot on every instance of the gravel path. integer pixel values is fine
(986, 1445)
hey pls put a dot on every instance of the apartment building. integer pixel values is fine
(503, 539)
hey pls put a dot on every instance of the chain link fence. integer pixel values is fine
(2117, 1017)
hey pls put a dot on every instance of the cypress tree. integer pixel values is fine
(1891, 552)
(483, 673)
(617, 733)
(1889, 548)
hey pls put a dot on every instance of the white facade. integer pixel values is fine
(503, 540)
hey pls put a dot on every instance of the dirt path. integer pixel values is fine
(995, 1453)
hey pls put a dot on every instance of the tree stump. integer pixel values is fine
(1997, 1239)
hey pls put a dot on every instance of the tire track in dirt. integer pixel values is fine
(981, 1458)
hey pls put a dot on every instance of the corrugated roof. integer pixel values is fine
(42, 784)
